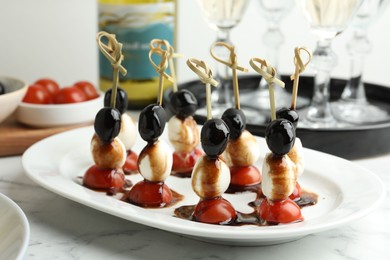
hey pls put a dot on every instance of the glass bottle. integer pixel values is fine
(135, 23)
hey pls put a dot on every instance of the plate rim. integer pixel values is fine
(23, 220)
(221, 231)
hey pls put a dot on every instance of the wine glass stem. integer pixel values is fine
(320, 99)
(354, 90)
(222, 73)
(324, 59)
(273, 39)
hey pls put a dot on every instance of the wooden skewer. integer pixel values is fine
(113, 52)
(163, 65)
(299, 68)
(231, 63)
(173, 74)
(269, 74)
(205, 74)
(156, 45)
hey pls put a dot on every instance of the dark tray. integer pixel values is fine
(351, 143)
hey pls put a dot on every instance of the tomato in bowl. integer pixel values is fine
(64, 106)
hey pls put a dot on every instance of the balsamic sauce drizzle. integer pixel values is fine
(185, 212)
(307, 199)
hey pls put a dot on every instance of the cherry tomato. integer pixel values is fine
(284, 211)
(88, 89)
(50, 85)
(103, 179)
(184, 162)
(36, 94)
(215, 211)
(150, 194)
(296, 195)
(131, 163)
(69, 95)
(244, 176)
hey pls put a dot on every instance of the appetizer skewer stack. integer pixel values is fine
(296, 153)
(279, 171)
(242, 150)
(155, 160)
(210, 176)
(183, 131)
(108, 151)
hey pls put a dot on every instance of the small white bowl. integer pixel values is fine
(15, 89)
(37, 115)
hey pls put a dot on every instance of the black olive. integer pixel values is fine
(289, 114)
(2, 89)
(121, 100)
(152, 122)
(280, 136)
(235, 120)
(214, 137)
(107, 124)
(183, 103)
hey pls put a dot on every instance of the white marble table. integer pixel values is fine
(63, 229)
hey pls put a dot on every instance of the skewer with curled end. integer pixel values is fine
(210, 176)
(117, 97)
(278, 170)
(242, 150)
(296, 153)
(108, 151)
(183, 131)
(155, 160)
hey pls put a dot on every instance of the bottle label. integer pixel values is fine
(135, 25)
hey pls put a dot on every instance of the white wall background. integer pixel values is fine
(56, 38)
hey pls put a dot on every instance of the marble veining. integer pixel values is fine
(63, 229)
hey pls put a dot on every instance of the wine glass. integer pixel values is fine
(273, 11)
(353, 106)
(327, 19)
(223, 15)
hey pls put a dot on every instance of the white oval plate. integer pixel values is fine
(14, 230)
(345, 192)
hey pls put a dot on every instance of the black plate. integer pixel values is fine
(351, 143)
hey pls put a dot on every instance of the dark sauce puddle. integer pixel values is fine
(307, 199)
(185, 212)
(176, 197)
(111, 191)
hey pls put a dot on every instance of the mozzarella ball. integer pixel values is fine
(183, 134)
(243, 151)
(155, 161)
(278, 177)
(108, 155)
(296, 155)
(210, 177)
(128, 132)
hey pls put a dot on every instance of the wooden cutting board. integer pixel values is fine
(15, 137)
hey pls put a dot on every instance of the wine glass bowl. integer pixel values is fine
(353, 106)
(273, 12)
(222, 16)
(327, 19)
